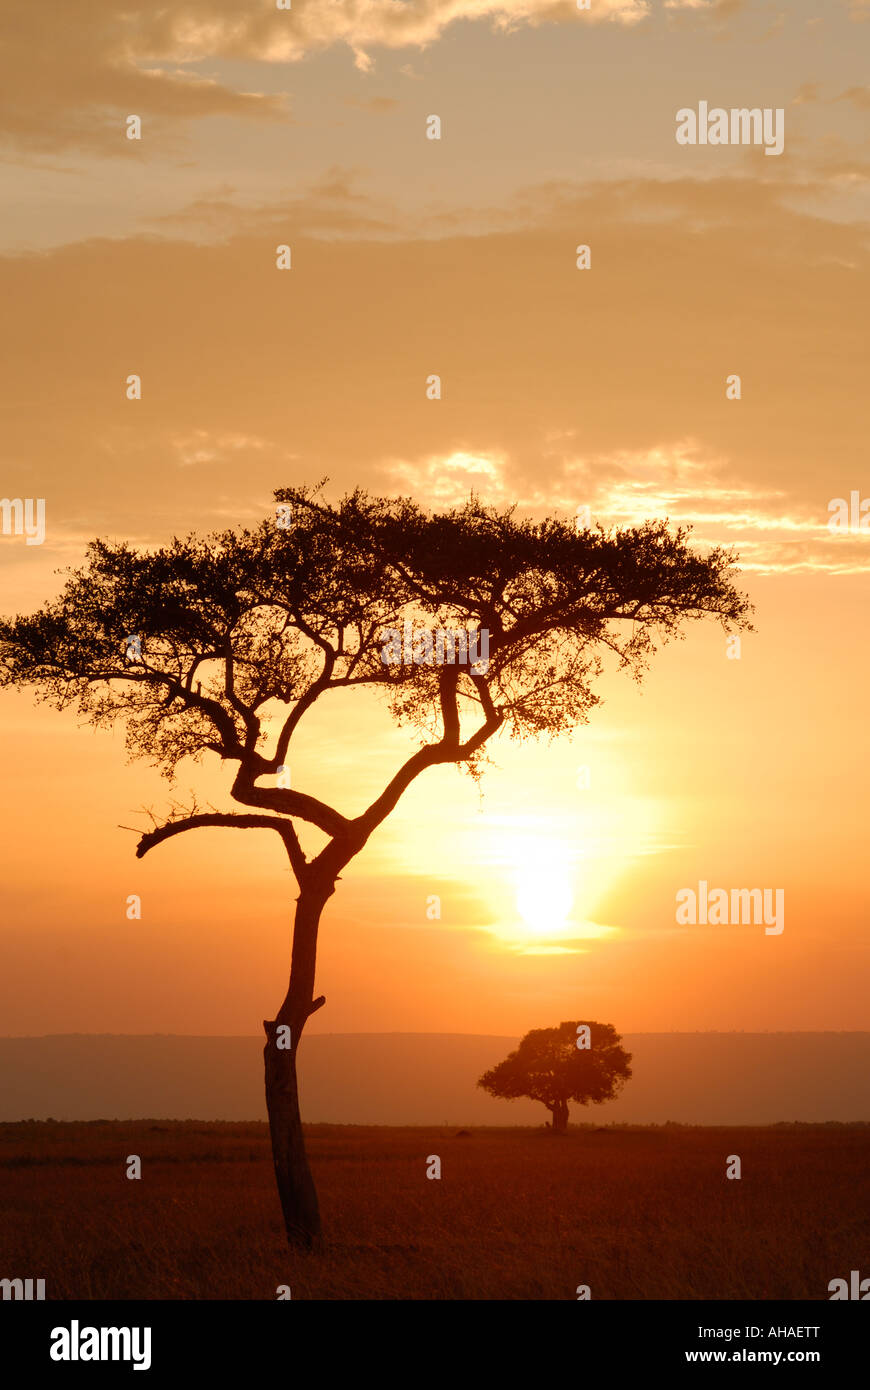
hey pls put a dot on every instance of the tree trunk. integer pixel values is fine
(559, 1111)
(295, 1183)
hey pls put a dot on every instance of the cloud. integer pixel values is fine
(680, 481)
(336, 205)
(773, 531)
(687, 11)
(859, 97)
(560, 387)
(201, 446)
(378, 106)
(329, 206)
(447, 481)
(275, 36)
(71, 73)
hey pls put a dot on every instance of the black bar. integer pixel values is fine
(244, 1339)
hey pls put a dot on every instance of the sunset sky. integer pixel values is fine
(562, 388)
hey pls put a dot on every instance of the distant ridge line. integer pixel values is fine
(700, 1078)
(402, 1033)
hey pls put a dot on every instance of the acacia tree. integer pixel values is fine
(555, 1065)
(222, 645)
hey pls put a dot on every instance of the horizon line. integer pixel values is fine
(401, 1033)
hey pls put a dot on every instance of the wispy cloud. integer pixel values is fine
(70, 74)
(772, 531)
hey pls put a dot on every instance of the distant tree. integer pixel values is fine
(222, 645)
(549, 1066)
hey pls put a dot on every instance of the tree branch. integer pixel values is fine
(231, 818)
(447, 750)
(288, 803)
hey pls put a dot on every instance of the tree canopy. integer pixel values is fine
(232, 629)
(558, 1065)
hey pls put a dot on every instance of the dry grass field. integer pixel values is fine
(634, 1212)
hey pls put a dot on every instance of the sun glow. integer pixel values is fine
(544, 893)
(555, 884)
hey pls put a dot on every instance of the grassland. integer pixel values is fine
(634, 1212)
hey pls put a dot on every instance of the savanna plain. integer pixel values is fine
(634, 1212)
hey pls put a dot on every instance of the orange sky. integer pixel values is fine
(561, 389)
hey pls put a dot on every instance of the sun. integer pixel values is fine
(544, 892)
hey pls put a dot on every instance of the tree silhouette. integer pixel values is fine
(555, 1065)
(222, 645)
